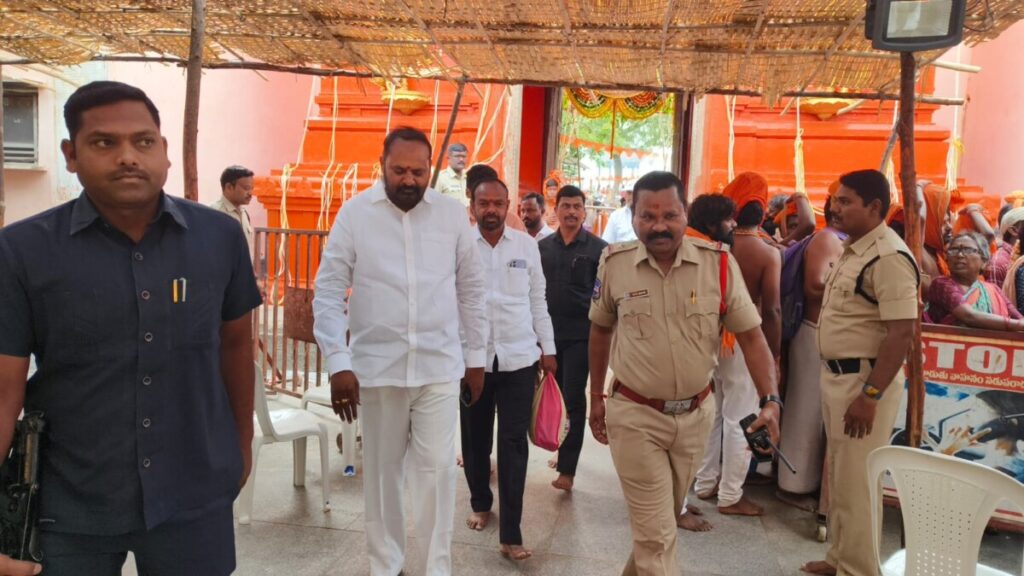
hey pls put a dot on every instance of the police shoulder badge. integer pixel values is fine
(597, 289)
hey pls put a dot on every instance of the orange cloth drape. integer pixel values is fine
(938, 203)
(728, 338)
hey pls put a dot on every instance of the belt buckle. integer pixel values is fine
(677, 407)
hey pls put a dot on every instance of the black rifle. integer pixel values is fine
(19, 491)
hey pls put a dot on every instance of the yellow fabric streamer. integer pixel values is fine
(799, 175)
(730, 115)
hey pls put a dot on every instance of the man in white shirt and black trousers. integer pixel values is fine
(518, 320)
(410, 258)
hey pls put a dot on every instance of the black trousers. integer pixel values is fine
(573, 370)
(193, 543)
(511, 393)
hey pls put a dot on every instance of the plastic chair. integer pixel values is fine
(321, 396)
(288, 425)
(946, 503)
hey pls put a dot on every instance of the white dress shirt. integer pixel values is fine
(415, 277)
(544, 233)
(620, 226)
(515, 292)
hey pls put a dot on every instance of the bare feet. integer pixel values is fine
(514, 552)
(458, 460)
(691, 509)
(553, 463)
(709, 494)
(563, 482)
(478, 520)
(819, 567)
(693, 523)
(742, 508)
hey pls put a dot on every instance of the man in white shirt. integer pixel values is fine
(531, 210)
(515, 293)
(620, 223)
(411, 260)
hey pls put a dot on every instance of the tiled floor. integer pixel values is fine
(586, 533)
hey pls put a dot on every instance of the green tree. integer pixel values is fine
(649, 134)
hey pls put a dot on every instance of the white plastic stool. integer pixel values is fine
(321, 396)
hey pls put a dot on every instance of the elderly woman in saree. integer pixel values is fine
(964, 298)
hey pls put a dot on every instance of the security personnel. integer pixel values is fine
(657, 310)
(866, 325)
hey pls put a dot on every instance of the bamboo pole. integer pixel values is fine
(914, 236)
(193, 80)
(3, 204)
(448, 133)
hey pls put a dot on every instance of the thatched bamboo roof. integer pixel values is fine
(764, 46)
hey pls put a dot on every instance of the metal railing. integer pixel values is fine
(285, 262)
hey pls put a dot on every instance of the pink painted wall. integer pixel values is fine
(243, 119)
(994, 118)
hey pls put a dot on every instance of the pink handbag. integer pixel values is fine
(550, 423)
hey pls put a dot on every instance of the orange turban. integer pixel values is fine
(746, 188)
(895, 214)
(789, 210)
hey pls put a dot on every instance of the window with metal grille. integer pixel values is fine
(21, 113)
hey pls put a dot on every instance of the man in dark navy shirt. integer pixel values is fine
(137, 307)
(569, 258)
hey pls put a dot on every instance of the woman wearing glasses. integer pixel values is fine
(964, 298)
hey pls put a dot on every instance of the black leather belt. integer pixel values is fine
(847, 365)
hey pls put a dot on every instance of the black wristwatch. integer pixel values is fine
(772, 398)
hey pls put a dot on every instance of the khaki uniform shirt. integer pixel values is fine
(240, 215)
(850, 326)
(668, 332)
(452, 185)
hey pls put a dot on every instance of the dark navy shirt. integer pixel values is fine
(570, 272)
(127, 345)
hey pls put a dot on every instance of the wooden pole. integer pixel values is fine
(3, 204)
(915, 238)
(193, 79)
(448, 133)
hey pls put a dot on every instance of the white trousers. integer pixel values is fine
(727, 455)
(420, 422)
(803, 434)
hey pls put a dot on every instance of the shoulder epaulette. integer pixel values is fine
(620, 247)
(706, 245)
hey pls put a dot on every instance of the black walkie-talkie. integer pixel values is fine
(19, 491)
(761, 444)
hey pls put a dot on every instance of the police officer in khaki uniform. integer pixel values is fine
(656, 311)
(866, 326)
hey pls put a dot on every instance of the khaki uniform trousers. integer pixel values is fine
(849, 516)
(656, 457)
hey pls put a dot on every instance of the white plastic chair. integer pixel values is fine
(288, 425)
(946, 502)
(321, 396)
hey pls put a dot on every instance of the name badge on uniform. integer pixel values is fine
(517, 263)
(635, 294)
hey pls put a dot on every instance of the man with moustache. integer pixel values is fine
(865, 328)
(517, 321)
(657, 312)
(410, 258)
(142, 337)
(570, 258)
(236, 193)
(727, 458)
(531, 210)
